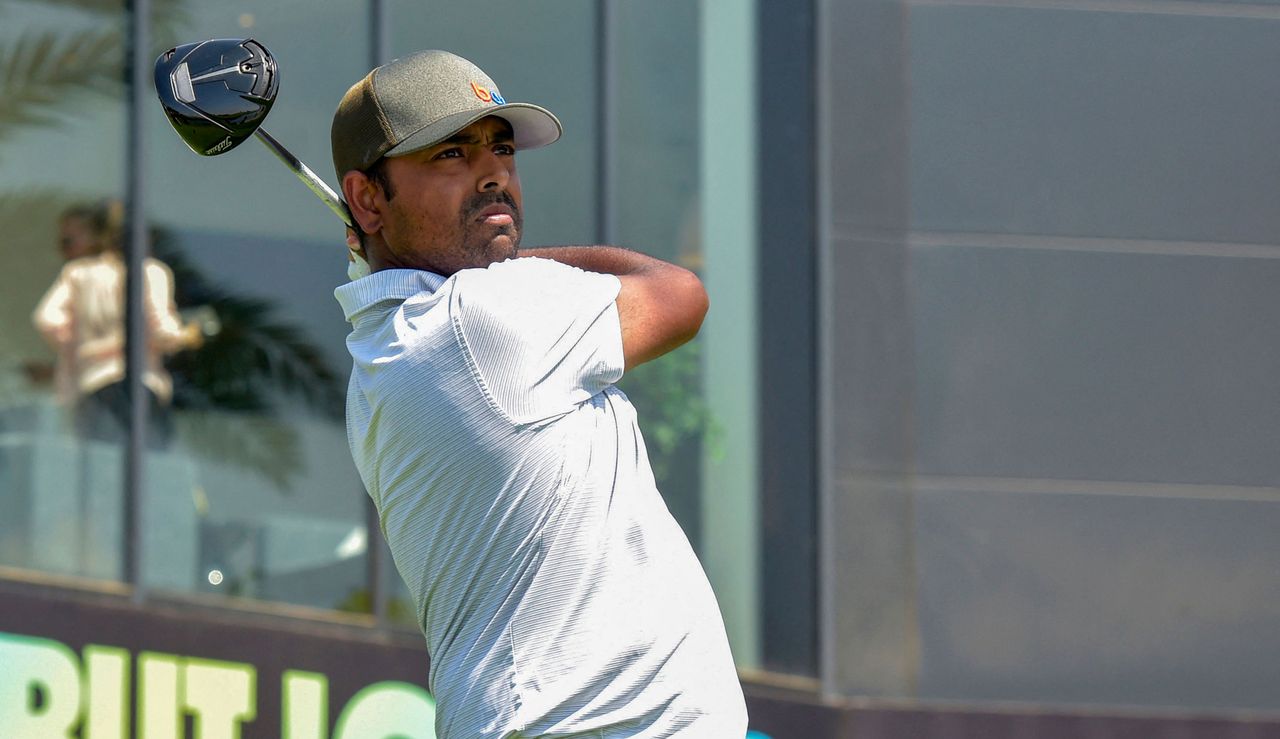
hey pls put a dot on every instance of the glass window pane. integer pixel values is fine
(272, 507)
(700, 446)
(61, 139)
(654, 187)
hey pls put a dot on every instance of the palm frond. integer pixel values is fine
(40, 70)
(254, 359)
(102, 7)
(164, 13)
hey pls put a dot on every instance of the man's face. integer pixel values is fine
(456, 204)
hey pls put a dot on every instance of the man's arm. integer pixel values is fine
(660, 306)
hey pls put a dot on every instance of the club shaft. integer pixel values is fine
(309, 178)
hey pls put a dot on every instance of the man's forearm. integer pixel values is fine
(609, 260)
(660, 305)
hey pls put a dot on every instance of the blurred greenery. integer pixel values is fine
(232, 388)
(255, 361)
(43, 71)
(399, 610)
(673, 413)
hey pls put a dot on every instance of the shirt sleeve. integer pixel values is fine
(543, 337)
(162, 313)
(52, 317)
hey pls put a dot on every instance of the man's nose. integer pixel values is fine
(494, 173)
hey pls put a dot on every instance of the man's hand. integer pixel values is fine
(661, 305)
(353, 245)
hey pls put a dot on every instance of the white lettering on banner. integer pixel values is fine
(305, 699)
(221, 694)
(106, 693)
(158, 716)
(39, 688)
(388, 709)
(47, 692)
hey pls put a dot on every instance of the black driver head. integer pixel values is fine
(217, 92)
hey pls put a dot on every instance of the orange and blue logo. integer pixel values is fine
(488, 95)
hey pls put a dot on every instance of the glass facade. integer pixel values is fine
(61, 129)
(249, 494)
(275, 510)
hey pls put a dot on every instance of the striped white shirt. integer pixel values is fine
(557, 594)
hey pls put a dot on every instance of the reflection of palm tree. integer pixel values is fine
(254, 361)
(256, 358)
(41, 70)
(44, 71)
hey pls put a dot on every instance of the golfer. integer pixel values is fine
(558, 596)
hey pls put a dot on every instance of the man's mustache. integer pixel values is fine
(480, 201)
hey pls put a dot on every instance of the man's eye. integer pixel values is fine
(506, 149)
(449, 154)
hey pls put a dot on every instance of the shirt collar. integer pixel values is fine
(387, 284)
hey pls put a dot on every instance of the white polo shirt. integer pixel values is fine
(556, 592)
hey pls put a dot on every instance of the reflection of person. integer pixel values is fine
(82, 317)
(557, 594)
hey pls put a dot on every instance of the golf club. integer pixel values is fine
(216, 93)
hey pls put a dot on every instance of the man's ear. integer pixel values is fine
(360, 193)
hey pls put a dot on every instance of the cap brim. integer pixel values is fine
(531, 125)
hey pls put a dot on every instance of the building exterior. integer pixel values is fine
(978, 440)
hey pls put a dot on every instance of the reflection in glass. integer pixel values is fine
(251, 403)
(273, 509)
(60, 112)
(82, 318)
(656, 198)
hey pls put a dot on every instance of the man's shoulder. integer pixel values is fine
(520, 269)
(528, 277)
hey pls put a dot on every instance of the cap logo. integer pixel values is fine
(486, 95)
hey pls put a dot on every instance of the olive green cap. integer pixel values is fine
(418, 101)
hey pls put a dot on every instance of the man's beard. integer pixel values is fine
(478, 246)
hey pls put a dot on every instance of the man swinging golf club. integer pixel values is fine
(558, 596)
